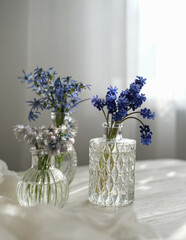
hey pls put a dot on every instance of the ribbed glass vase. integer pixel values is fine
(67, 163)
(112, 168)
(43, 183)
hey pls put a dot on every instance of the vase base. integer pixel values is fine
(109, 202)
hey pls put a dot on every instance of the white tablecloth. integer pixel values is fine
(156, 214)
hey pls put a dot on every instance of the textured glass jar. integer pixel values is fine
(68, 162)
(42, 184)
(112, 168)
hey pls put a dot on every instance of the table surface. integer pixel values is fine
(160, 194)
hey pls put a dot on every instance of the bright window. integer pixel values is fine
(162, 48)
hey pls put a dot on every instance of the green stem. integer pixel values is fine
(59, 160)
(131, 114)
(49, 188)
(111, 133)
(60, 119)
(104, 114)
(80, 102)
(126, 117)
(43, 162)
(43, 165)
(52, 176)
(107, 117)
(134, 118)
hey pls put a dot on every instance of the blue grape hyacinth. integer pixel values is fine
(118, 109)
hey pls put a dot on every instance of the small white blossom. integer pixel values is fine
(54, 140)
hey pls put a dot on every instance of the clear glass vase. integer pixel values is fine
(43, 183)
(67, 162)
(112, 168)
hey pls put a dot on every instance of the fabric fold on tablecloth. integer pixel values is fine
(80, 223)
(8, 182)
(46, 223)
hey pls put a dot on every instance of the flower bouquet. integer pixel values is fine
(61, 96)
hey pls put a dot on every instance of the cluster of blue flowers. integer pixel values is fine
(119, 106)
(146, 113)
(145, 134)
(60, 95)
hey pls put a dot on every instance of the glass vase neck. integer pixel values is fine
(41, 159)
(112, 131)
(58, 118)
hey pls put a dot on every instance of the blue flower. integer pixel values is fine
(26, 77)
(33, 116)
(98, 102)
(134, 89)
(36, 104)
(145, 135)
(118, 116)
(123, 101)
(146, 113)
(111, 99)
(111, 103)
(58, 89)
(137, 101)
(140, 81)
(112, 91)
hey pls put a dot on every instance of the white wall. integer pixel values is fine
(13, 57)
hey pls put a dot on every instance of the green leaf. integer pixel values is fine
(71, 91)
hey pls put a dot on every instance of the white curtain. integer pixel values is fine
(161, 58)
(103, 43)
